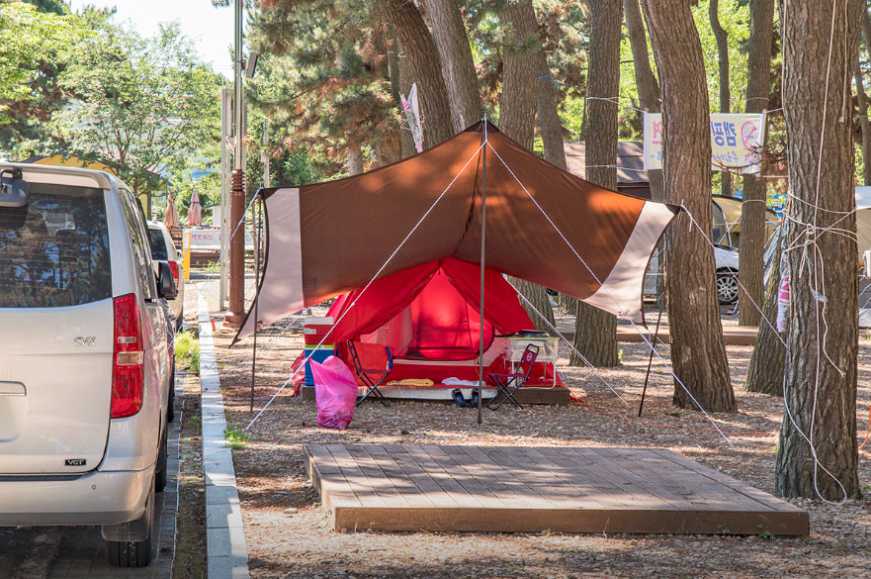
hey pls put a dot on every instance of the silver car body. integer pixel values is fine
(63, 460)
(173, 254)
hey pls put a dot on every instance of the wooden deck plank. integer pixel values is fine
(529, 489)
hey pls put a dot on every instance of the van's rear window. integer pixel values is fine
(54, 251)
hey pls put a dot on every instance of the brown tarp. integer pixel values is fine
(543, 224)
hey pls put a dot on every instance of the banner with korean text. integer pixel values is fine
(736, 141)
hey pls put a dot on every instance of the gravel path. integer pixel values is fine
(288, 535)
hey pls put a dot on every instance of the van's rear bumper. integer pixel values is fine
(96, 498)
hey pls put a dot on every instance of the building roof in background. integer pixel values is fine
(630, 161)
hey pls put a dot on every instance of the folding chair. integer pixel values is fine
(509, 384)
(372, 378)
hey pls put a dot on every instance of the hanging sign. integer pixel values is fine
(411, 108)
(736, 141)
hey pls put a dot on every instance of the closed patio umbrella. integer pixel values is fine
(195, 211)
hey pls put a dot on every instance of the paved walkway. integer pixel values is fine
(79, 552)
(227, 551)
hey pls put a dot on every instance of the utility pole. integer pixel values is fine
(224, 222)
(264, 155)
(237, 196)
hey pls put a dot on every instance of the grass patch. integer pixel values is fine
(213, 267)
(187, 351)
(236, 438)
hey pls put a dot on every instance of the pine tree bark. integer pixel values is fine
(458, 68)
(864, 127)
(822, 338)
(698, 354)
(547, 104)
(645, 80)
(354, 163)
(753, 210)
(765, 374)
(725, 92)
(519, 57)
(517, 112)
(424, 66)
(595, 330)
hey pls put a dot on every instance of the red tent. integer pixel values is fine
(428, 316)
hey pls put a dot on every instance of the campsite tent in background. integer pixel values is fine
(544, 225)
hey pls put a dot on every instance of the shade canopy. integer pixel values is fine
(544, 225)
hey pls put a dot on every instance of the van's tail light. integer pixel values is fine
(173, 268)
(128, 371)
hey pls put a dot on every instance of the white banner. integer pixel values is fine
(203, 238)
(411, 108)
(736, 141)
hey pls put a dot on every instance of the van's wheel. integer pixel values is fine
(160, 473)
(135, 553)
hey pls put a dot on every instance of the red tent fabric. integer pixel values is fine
(430, 311)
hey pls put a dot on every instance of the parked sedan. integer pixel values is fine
(163, 250)
(726, 260)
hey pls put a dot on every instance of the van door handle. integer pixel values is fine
(12, 389)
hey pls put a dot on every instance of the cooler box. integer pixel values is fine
(314, 330)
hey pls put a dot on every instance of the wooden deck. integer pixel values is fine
(526, 489)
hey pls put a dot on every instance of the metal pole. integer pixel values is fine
(258, 221)
(264, 155)
(237, 199)
(650, 359)
(226, 134)
(483, 269)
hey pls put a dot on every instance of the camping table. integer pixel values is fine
(548, 350)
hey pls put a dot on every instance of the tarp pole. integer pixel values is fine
(257, 220)
(483, 269)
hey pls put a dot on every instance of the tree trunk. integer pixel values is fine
(519, 56)
(595, 330)
(765, 374)
(458, 68)
(750, 274)
(645, 80)
(425, 68)
(697, 352)
(355, 158)
(822, 338)
(517, 111)
(549, 124)
(864, 127)
(725, 92)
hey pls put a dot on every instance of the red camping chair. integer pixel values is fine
(509, 384)
(372, 368)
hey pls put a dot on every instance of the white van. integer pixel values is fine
(85, 365)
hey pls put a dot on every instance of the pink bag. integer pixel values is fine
(335, 393)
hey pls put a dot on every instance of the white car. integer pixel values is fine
(163, 250)
(726, 260)
(85, 364)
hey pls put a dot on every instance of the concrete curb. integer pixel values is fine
(226, 548)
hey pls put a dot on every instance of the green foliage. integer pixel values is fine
(36, 48)
(142, 106)
(236, 439)
(187, 351)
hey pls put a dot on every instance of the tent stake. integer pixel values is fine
(258, 223)
(650, 358)
(483, 268)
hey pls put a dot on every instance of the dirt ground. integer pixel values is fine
(288, 534)
(190, 549)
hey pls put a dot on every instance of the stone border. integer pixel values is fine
(226, 548)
